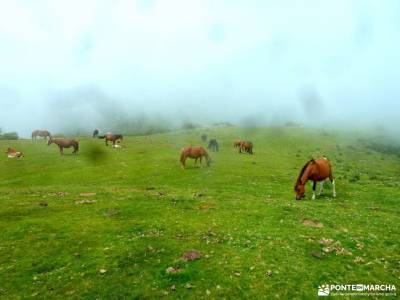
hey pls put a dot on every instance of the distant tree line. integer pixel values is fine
(8, 135)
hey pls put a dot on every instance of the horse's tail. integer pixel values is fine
(182, 155)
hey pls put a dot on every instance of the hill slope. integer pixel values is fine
(109, 222)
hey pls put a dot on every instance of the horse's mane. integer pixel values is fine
(304, 169)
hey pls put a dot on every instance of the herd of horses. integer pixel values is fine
(315, 170)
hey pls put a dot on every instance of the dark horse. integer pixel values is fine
(42, 133)
(315, 170)
(95, 133)
(194, 153)
(213, 145)
(64, 143)
(111, 137)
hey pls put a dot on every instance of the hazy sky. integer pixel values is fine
(308, 61)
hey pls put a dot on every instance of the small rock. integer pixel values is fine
(316, 254)
(173, 287)
(191, 255)
(87, 194)
(269, 273)
(188, 285)
(85, 201)
(325, 241)
(312, 223)
(360, 246)
(172, 270)
(197, 195)
(327, 249)
(103, 271)
(358, 260)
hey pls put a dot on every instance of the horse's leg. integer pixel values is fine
(333, 184)
(201, 162)
(333, 188)
(313, 190)
(321, 187)
(61, 150)
(183, 161)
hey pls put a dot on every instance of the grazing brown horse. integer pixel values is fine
(111, 137)
(315, 170)
(194, 153)
(236, 144)
(12, 153)
(64, 143)
(246, 146)
(42, 133)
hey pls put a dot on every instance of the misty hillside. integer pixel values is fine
(117, 222)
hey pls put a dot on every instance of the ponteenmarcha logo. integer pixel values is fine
(357, 289)
(323, 290)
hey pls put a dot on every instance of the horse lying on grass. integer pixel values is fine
(12, 153)
(194, 153)
(64, 143)
(315, 170)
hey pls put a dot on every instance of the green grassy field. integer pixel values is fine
(143, 212)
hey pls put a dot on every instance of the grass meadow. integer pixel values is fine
(116, 223)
